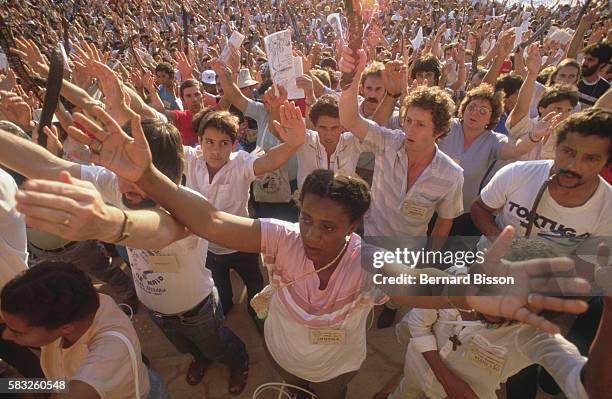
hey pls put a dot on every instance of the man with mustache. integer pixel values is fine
(596, 59)
(574, 206)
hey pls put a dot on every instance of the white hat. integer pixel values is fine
(396, 18)
(209, 77)
(244, 78)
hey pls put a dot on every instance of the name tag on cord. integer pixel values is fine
(486, 359)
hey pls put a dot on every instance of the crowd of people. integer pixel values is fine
(452, 126)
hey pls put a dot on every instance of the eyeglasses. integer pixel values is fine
(482, 110)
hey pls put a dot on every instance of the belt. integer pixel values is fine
(55, 250)
(189, 313)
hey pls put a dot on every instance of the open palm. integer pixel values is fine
(129, 157)
(291, 127)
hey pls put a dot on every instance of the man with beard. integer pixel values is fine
(596, 60)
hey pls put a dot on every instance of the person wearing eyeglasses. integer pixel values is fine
(475, 147)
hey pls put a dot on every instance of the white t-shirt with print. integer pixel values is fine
(171, 280)
(513, 190)
(229, 189)
(312, 155)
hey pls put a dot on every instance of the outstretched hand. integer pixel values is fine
(291, 127)
(536, 287)
(127, 156)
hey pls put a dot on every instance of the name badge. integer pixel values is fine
(414, 209)
(488, 358)
(327, 337)
(163, 264)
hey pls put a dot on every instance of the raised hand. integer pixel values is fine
(54, 145)
(546, 125)
(305, 83)
(394, 77)
(291, 127)
(183, 64)
(533, 283)
(274, 100)
(29, 52)
(9, 81)
(533, 62)
(129, 157)
(352, 62)
(16, 109)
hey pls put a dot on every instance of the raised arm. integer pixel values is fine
(504, 47)
(545, 126)
(578, 38)
(75, 210)
(32, 160)
(394, 79)
(292, 131)
(230, 91)
(350, 118)
(130, 158)
(597, 382)
(521, 109)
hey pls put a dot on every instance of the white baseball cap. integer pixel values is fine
(209, 77)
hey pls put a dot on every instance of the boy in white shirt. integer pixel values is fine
(223, 175)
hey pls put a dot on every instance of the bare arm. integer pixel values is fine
(47, 204)
(597, 382)
(349, 110)
(385, 110)
(605, 101)
(578, 38)
(200, 217)
(521, 109)
(483, 218)
(230, 91)
(32, 160)
(78, 390)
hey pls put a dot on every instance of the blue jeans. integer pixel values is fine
(159, 390)
(203, 334)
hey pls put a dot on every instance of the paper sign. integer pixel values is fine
(336, 24)
(418, 39)
(447, 34)
(295, 92)
(3, 62)
(519, 34)
(235, 41)
(558, 35)
(281, 62)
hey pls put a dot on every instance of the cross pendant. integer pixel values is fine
(455, 340)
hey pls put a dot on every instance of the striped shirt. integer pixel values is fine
(590, 92)
(396, 210)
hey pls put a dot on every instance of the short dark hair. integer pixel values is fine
(426, 63)
(50, 295)
(166, 68)
(187, 84)
(557, 93)
(590, 122)
(351, 192)
(601, 50)
(329, 63)
(509, 84)
(326, 105)
(166, 147)
(221, 120)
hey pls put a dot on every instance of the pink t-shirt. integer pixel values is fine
(297, 310)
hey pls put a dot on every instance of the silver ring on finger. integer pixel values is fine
(530, 299)
(96, 146)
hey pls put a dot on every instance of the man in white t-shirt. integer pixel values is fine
(576, 203)
(173, 262)
(85, 339)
